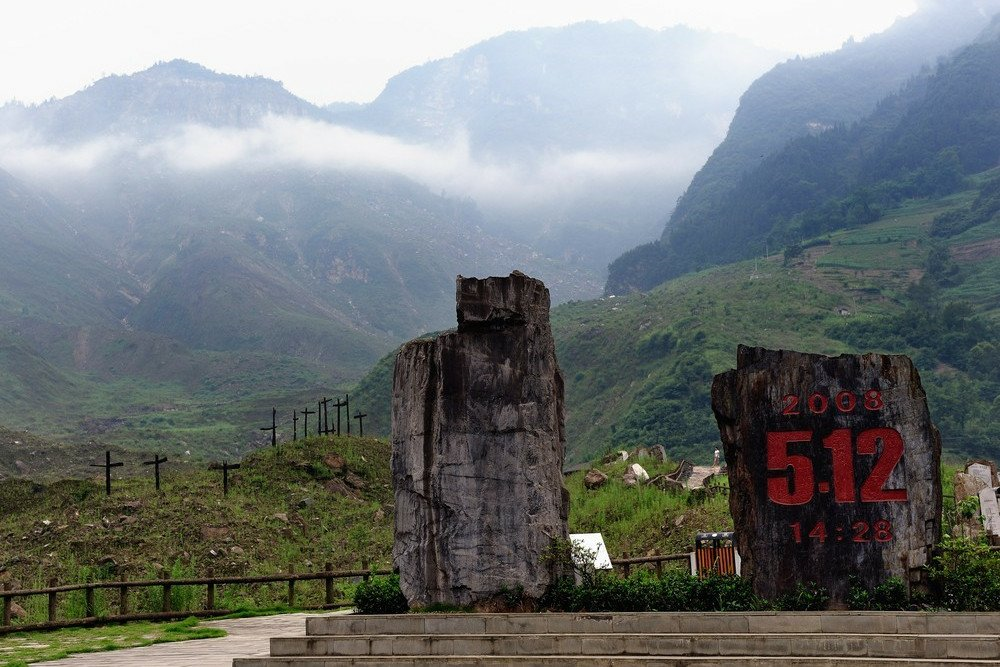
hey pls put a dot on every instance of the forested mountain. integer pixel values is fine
(801, 98)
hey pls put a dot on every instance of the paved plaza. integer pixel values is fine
(247, 637)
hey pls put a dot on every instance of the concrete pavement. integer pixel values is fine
(247, 637)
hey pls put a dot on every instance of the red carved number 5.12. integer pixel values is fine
(797, 485)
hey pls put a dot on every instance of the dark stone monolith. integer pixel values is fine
(477, 449)
(834, 469)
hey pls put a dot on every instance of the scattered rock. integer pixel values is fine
(658, 452)
(594, 479)
(338, 487)
(615, 456)
(379, 514)
(629, 479)
(639, 472)
(236, 551)
(305, 502)
(334, 461)
(214, 532)
(355, 481)
(281, 516)
(17, 611)
(639, 453)
(665, 483)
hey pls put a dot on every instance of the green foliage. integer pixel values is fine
(920, 142)
(675, 591)
(890, 595)
(807, 596)
(966, 576)
(380, 595)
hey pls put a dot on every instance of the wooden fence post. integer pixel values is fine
(659, 565)
(210, 593)
(88, 610)
(329, 584)
(291, 587)
(164, 574)
(626, 567)
(123, 600)
(52, 600)
(364, 563)
(6, 604)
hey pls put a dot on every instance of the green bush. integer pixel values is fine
(380, 595)
(966, 576)
(675, 591)
(808, 596)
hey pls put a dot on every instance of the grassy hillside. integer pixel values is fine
(320, 500)
(317, 501)
(639, 368)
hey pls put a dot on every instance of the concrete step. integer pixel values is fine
(602, 661)
(646, 644)
(720, 623)
(758, 639)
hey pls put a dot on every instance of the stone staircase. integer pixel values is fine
(785, 639)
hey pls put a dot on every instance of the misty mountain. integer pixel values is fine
(589, 86)
(799, 98)
(602, 124)
(154, 102)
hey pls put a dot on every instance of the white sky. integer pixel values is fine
(327, 51)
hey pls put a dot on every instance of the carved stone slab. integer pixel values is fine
(477, 448)
(834, 468)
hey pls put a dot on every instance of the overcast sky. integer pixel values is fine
(328, 51)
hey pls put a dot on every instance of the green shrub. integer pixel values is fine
(380, 595)
(890, 595)
(965, 576)
(808, 596)
(675, 591)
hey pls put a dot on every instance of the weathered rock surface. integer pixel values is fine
(594, 479)
(478, 447)
(834, 468)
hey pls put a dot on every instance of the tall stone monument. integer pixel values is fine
(477, 448)
(834, 468)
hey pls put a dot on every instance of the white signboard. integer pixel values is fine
(590, 543)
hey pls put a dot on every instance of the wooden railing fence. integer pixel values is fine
(625, 563)
(167, 584)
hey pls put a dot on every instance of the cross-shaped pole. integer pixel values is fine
(360, 416)
(225, 468)
(347, 407)
(339, 404)
(295, 425)
(305, 427)
(156, 467)
(107, 465)
(326, 415)
(273, 428)
(319, 415)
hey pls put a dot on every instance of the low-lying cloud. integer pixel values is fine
(450, 167)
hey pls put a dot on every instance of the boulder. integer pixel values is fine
(594, 479)
(629, 479)
(967, 486)
(658, 453)
(478, 444)
(639, 472)
(834, 469)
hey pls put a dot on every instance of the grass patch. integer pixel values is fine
(27, 647)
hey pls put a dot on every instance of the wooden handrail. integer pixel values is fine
(167, 583)
(202, 581)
